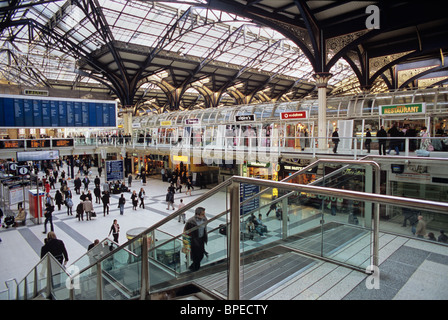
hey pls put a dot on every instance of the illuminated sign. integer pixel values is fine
(413, 108)
(180, 159)
(35, 143)
(62, 142)
(12, 144)
(165, 123)
(38, 143)
(293, 115)
(22, 111)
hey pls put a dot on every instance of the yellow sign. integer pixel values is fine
(180, 158)
(165, 123)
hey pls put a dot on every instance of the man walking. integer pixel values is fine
(335, 140)
(198, 236)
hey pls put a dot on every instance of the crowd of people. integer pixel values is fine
(59, 194)
(393, 139)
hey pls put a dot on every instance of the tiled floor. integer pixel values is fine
(20, 247)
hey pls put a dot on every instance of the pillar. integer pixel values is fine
(13, 133)
(127, 120)
(321, 84)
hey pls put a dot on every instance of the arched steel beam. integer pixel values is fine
(421, 74)
(94, 14)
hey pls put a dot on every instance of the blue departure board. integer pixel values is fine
(114, 170)
(18, 111)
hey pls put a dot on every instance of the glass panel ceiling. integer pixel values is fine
(203, 33)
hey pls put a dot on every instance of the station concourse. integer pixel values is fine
(243, 100)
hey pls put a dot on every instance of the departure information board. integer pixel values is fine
(18, 111)
(114, 170)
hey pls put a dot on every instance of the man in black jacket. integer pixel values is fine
(56, 247)
(335, 140)
(394, 143)
(382, 142)
(198, 236)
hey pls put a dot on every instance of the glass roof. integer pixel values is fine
(34, 59)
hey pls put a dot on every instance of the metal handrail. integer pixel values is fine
(348, 194)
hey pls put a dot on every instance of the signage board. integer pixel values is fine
(37, 155)
(12, 144)
(192, 121)
(397, 109)
(248, 117)
(165, 123)
(21, 111)
(294, 115)
(247, 191)
(36, 143)
(36, 92)
(62, 143)
(114, 170)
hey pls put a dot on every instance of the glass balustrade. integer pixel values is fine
(282, 144)
(315, 221)
(326, 226)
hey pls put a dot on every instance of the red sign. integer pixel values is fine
(293, 115)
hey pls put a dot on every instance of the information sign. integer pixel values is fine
(20, 111)
(114, 170)
(247, 191)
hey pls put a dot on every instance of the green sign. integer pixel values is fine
(413, 108)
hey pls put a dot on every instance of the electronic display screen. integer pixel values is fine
(17, 111)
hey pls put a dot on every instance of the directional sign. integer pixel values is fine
(13, 166)
(23, 170)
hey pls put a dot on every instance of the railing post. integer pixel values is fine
(376, 226)
(234, 245)
(144, 287)
(406, 147)
(35, 282)
(25, 289)
(49, 276)
(284, 206)
(99, 282)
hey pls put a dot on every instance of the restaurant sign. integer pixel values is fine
(412, 108)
